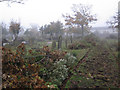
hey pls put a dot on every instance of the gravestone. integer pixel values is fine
(71, 39)
(53, 44)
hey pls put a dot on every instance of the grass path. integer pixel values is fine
(97, 68)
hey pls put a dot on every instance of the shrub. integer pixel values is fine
(19, 73)
(60, 72)
(78, 45)
(112, 36)
(70, 60)
(60, 68)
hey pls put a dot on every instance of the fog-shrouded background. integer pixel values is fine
(45, 11)
(46, 45)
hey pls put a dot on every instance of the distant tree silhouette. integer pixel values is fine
(81, 18)
(113, 22)
(14, 28)
(13, 1)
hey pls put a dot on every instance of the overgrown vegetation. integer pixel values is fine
(58, 56)
(48, 68)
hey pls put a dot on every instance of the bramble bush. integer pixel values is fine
(43, 66)
(92, 39)
(78, 45)
(86, 42)
(56, 65)
(55, 69)
(17, 72)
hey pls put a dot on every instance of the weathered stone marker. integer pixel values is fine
(71, 39)
(53, 44)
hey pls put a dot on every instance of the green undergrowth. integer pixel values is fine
(99, 70)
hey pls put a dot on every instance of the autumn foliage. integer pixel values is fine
(18, 72)
(22, 71)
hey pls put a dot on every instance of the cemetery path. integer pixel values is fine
(100, 69)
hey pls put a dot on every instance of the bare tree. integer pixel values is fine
(14, 28)
(113, 22)
(81, 17)
(13, 1)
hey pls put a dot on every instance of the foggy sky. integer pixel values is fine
(45, 11)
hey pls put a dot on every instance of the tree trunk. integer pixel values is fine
(66, 42)
(60, 42)
(42, 35)
(15, 40)
(118, 43)
(82, 31)
(51, 36)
